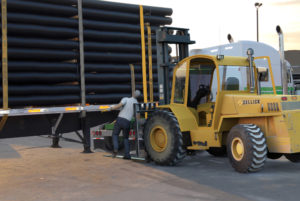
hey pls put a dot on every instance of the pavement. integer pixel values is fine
(32, 171)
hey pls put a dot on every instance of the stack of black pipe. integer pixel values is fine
(43, 50)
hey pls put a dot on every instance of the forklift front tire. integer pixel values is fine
(246, 148)
(163, 139)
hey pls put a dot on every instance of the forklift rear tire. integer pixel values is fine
(108, 143)
(274, 156)
(246, 148)
(163, 139)
(217, 151)
(295, 158)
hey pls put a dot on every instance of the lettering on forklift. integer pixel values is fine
(199, 143)
(248, 102)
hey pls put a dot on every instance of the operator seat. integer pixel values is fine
(232, 83)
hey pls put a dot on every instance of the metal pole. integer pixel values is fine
(257, 25)
(55, 134)
(137, 142)
(257, 6)
(81, 54)
(84, 126)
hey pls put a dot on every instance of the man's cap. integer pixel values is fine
(137, 93)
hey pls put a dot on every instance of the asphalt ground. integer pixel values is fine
(32, 171)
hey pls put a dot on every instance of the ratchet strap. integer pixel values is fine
(4, 62)
(144, 70)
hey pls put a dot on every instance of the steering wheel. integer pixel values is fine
(205, 89)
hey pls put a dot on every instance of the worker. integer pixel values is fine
(123, 122)
(202, 92)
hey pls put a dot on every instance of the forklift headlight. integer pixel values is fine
(220, 57)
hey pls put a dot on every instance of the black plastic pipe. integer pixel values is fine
(131, 8)
(29, 78)
(35, 66)
(37, 90)
(59, 2)
(109, 36)
(112, 68)
(41, 8)
(42, 100)
(20, 30)
(37, 43)
(22, 18)
(40, 55)
(115, 16)
(41, 31)
(19, 42)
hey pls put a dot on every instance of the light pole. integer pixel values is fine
(257, 5)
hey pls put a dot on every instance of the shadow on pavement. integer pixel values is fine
(6, 151)
(279, 180)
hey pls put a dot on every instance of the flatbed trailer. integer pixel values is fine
(56, 120)
(37, 121)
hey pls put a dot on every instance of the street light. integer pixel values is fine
(257, 5)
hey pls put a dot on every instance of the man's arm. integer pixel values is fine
(115, 107)
(118, 106)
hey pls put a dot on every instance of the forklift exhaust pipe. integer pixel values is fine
(282, 60)
(250, 53)
(230, 39)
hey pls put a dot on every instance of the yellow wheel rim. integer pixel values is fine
(237, 149)
(158, 138)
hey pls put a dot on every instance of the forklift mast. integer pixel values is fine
(166, 36)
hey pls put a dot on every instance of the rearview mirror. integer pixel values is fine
(263, 74)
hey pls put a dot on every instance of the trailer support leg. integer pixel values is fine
(55, 134)
(86, 134)
(55, 142)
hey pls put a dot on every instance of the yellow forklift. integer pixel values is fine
(215, 105)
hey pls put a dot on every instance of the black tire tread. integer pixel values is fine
(178, 152)
(217, 151)
(256, 149)
(274, 156)
(295, 157)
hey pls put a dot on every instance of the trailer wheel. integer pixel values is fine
(108, 143)
(295, 158)
(217, 151)
(274, 156)
(246, 148)
(163, 139)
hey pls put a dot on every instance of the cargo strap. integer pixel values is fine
(3, 121)
(4, 61)
(143, 54)
(150, 62)
(4, 55)
(132, 79)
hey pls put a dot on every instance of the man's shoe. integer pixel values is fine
(114, 154)
(127, 157)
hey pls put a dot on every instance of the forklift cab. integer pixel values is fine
(201, 81)
(192, 82)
